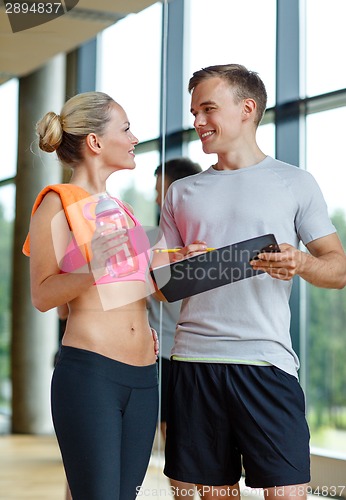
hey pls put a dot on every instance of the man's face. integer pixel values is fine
(218, 118)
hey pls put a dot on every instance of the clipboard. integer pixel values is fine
(225, 265)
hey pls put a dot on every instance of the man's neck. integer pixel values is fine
(235, 161)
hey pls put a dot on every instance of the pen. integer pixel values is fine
(171, 250)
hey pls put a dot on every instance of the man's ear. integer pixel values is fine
(249, 108)
(93, 143)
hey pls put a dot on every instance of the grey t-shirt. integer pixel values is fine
(247, 321)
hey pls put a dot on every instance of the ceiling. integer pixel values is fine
(25, 50)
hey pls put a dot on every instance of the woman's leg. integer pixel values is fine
(104, 414)
(87, 417)
(139, 423)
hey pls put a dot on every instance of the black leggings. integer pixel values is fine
(104, 414)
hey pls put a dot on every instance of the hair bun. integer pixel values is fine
(50, 132)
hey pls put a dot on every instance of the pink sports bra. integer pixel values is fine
(78, 252)
(74, 258)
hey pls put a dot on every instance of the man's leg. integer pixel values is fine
(200, 445)
(291, 492)
(179, 488)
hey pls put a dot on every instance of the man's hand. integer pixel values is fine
(281, 265)
(323, 266)
(196, 248)
(156, 342)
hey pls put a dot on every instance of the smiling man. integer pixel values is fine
(235, 398)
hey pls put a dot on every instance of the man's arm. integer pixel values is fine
(324, 266)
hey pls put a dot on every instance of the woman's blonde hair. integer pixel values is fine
(81, 115)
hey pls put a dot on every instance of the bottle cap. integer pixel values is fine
(104, 204)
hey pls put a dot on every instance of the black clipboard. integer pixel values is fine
(212, 269)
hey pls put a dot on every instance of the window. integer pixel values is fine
(130, 68)
(138, 187)
(7, 197)
(325, 43)
(9, 128)
(231, 32)
(326, 346)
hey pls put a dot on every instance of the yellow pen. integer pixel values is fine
(172, 250)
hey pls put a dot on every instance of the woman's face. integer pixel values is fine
(118, 142)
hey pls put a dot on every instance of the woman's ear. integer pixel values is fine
(93, 143)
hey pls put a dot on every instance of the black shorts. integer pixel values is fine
(223, 416)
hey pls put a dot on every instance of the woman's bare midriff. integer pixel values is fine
(112, 320)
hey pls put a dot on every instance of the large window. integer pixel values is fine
(7, 194)
(325, 46)
(130, 68)
(138, 187)
(231, 32)
(326, 345)
(8, 129)
(130, 71)
(8, 162)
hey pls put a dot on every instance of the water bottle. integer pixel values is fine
(124, 261)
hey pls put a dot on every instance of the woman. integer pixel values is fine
(104, 387)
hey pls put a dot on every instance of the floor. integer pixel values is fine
(30, 468)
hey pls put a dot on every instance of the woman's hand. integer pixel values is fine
(105, 243)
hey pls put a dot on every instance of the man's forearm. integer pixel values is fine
(327, 271)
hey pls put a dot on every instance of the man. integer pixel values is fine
(234, 392)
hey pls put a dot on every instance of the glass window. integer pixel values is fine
(138, 187)
(231, 32)
(325, 155)
(7, 203)
(195, 153)
(266, 139)
(326, 346)
(325, 46)
(9, 128)
(130, 68)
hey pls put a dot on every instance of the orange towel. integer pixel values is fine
(73, 199)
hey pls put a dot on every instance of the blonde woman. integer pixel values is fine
(104, 386)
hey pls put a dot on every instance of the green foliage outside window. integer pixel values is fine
(326, 355)
(6, 241)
